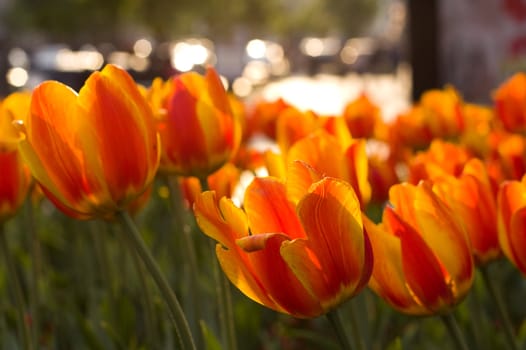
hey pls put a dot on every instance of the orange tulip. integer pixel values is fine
(292, 125)
(15, 178)
(296, 247)
(443, 112)
(409, 130)
(224, 182)
(93, 152)
(199, 132)
(14, 107)
(382, 175)
(361, 116)
(14, 183)
(262, 117)
(337, 127)
(510, 103)
(506, 159)
(327, 155)
(423, 263)
(479, 121)
(439, 113)
(441, 158)
(511, 213)
(472, 198)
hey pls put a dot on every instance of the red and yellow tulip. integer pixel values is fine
(329, 156)
(15, 178)
(199, 132)
(262, 117)
(440, 159)
(472, 197)
(423, 263)
(296, 247)
(93, 152)
(511, 204)
(362, 116)
(510, 103)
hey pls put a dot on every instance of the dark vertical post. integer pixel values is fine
(423, 45)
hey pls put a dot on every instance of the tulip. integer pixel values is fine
(511, 204)
(14, 107)
(479, 121)
(473, 200)
(199, 132)
(510, 100)
(224, 182)
(262, 117)
(292, 125)
(506, 159)
(423, 262)
(93, 152)
(296, 247)
(337, 127)
(329, 156)
(438, 113)
(441, 158)
(443, 112)
(15, 176)
(361, 116)
(409, 130)
(14, 184)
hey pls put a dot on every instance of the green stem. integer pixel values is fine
(147, 302)
(34, 296)
(14, 283)
(454, 331)
(501, 309)
(136, 243)
(335, 319)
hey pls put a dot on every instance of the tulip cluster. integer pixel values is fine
(307, 211)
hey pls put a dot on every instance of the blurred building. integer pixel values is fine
(481, 43)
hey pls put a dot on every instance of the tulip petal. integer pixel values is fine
(388, 278)
(402, 197)
(188, 151)
(281, 283)
(332, 261)
(126, 145)
(53, 129)
(300, 176)
(235, 267)
(322, 151)
(260, 273)
(217, 91)
(440, 229)
(511, 197)
(269, 210)
(226, 223)
(518, 238)
(358, 171)
(275, 164)
(423, 272)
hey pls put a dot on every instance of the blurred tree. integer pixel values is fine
(99, 20)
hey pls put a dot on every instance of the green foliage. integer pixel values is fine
(91, 294)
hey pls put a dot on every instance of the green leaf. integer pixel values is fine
(211, 341)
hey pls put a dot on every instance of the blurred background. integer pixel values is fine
(391, 47)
